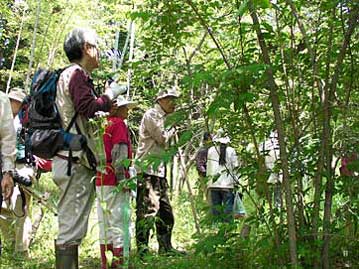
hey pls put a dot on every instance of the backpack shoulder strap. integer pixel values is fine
(72, 122)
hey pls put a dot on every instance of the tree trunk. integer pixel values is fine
(279, 126)
(354, 16)
(33, 46)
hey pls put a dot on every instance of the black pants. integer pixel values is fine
(153, 209)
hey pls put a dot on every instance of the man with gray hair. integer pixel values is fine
(153, 205)
(77, 101)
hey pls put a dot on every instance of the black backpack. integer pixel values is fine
(41, 118)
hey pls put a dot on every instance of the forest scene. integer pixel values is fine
(274, 81)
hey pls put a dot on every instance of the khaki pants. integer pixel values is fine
(111, 207)
(75, 201)
(15, 223)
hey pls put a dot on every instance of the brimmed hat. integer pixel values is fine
(167, 92)
(122, 101)
(220, 137)
(17, 94)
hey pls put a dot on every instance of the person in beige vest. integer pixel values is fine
(76, 98)
(153, 205)
(7, 148)
(15, 222)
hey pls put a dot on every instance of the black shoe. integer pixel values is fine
(165, 246)
(171, 252)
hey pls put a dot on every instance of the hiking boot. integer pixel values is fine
(165, 246)
(117, 258)
(66, 256)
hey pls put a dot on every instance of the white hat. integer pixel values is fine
(122, 101)
(167, 92)
(17, 94)
(220, 137)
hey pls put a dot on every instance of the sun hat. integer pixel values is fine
(122, 101)
(167, 92)
(17, 94)
(220, 137)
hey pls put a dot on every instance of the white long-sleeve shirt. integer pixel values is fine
(270, 148)
(227, 174)
(7, 134)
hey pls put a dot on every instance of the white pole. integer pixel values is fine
(16, 49)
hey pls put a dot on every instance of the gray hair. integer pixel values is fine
(75, 41)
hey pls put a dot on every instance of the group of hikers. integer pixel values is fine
(73, 171)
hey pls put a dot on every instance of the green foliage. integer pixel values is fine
(224, 83)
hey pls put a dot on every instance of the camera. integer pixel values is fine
(25, 181)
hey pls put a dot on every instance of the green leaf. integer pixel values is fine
(262, 3)
(185, 137)
(243, 8)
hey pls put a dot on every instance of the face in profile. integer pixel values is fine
(15, 107)
(168, 104)
(93, 54)
(121, 111)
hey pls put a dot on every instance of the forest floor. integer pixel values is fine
(42, 249)
(215, 247)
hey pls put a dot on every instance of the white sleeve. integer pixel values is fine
(7, 134)
(210, 162)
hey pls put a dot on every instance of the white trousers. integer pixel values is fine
(113, 210)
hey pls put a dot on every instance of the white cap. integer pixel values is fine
(220, 137)
(168, 92)
(17, 94)
(122, 101)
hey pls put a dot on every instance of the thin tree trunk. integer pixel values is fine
(130, 58)
(281, 134)
(324, 141)
(353, 22)
(291, 108)
(115, 46)
(16, 49)
(33, 45)
(185, 168)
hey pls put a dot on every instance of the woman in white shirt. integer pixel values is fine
(221, 163)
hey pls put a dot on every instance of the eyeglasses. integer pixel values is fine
(93, 46)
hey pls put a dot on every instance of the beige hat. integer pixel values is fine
(17, 94)
(220, 137)
(122, 101)
(168, 92)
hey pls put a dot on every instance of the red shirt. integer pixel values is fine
(115, 133)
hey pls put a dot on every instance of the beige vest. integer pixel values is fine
(67, 111)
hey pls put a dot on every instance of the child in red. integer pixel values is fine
(110, 208)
